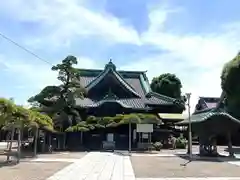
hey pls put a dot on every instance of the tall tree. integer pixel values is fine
(14, 117)
(60, 100)
(230, 84)
(167, 84)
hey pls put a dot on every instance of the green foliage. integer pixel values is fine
(130, 118)
(158, 146)
(61, 98)
(105, 121)
(18, 116)
(82, 126)
(41, 119)
(6, 109)
(149, 119)
(230, 82)
(181, 142)
(76, 128)
(168, 85)
(93, 122)
(118, 118)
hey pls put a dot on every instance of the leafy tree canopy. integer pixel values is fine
(61, 98)
(167, 84)
(230, 82)
(14, 115)
(93, 122)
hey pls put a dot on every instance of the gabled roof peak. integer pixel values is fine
(110, 65)
(209, 99)
(110, 95)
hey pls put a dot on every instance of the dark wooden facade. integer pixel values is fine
(213, 124)
(111, 92)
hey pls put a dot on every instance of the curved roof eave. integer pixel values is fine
(206, 116)
(118, 77)
(166, 98)
(224, 114)
(100, 103)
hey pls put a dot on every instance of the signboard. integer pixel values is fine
(145, 128)
(145, 135)
(110, 137)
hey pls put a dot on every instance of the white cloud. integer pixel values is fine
(196, 59)
(64, 21)
(32, 78)
(38, 75)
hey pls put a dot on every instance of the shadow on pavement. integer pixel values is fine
(121, 153)
(219, 158)
(8, 163)
(236, 150)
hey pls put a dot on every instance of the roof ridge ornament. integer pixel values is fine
(110, 65)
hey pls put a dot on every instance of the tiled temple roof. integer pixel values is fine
(135, 82)
(208, 102)
(210, 112)
(118, 76)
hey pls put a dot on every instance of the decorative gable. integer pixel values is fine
(111, 79)
(207, 103)
(127, 89)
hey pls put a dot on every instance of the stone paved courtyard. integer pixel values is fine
(119, 166)
(172, 167)
(37, 169)
(31, 170)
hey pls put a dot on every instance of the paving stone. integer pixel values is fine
(97, 166)
(176, 167)
(31, 170)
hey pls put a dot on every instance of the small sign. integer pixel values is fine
(110, 137)
(145, 135)
(145, 128)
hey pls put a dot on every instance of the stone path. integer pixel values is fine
(191, 178)
(108, 166)
(55, 160)
(97, 166)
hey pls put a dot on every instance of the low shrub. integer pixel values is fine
(181, 142)
(158, 146)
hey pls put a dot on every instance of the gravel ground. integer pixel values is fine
(31, 170)
(170, 167)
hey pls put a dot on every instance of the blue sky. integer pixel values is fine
(192, 39)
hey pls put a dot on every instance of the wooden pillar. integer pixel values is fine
(44, 142)
(58, 141)
(230, 149)
(35, 142)
(81, 137)
(129, 137)
(188, 142)
(64, 140)
(11, 141)
(49, 142)
(199, 145)
(19, 144)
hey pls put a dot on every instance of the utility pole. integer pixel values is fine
(188, 95)
(130, 137)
